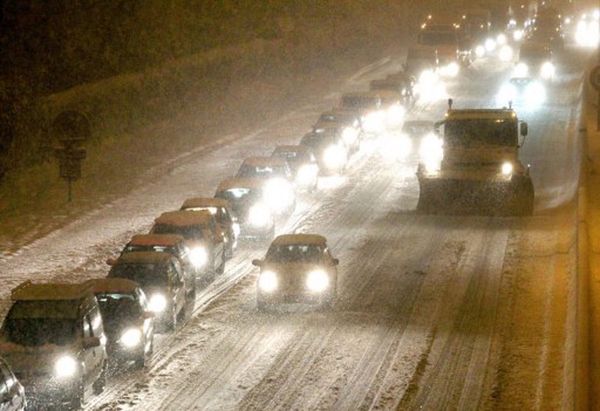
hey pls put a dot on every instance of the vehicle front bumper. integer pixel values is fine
(46, 390)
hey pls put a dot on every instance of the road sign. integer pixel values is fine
(595, 78)
(71, 126)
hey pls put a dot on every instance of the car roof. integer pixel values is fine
(239, 182)
(144, 257)
(308, 239)
(113, 285)
(264, 162)
(204, 202)
(29, 291)
(291, 148)
(165, 240)
(483, 114)
(185, 218)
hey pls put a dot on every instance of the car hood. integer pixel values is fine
(38, 360)
(292, 269)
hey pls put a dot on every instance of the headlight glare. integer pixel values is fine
(317, 281)
(507, 168)
(131, 337)
(547, 70)
(157, 303)
(279, 194)
(521, 70)
(259, 215)
(198, 257)
(334, 157)
(268, 281)
(65, 367)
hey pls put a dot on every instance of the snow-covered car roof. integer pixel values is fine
(185, 218)
(29, 291)
(204, 202)
(290, 239)
(238, 182)
(264, 162)
(144, 257)
(163, 240)
(113, 285)
(482, 114)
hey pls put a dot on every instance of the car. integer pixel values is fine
(276, 175)
(303, 164)
(12, 393)
(535, 62)
(423, 135)
(166, 243)
(481, 173)
(421, 59)
(368, 106)
(246, 197)
(298, 268)
(329, 149)
(161, 278)
(223, 215)
(202, 234)
(53, 338)
(128, 322)
(399, 83)
(345, 122)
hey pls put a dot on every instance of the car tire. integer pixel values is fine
(221, 268)
(172, 323)
(78, 399)
(140, 361)
(100, 383)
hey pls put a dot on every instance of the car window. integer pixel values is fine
(295, 252)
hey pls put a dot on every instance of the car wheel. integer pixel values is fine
(172, 322)
(140, 361)
(78, 398)
(100, 383)
(221, 268)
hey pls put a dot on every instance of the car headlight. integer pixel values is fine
(198, 257)
(490, 45)
(373, 122)
(507, 168)
(480, 51)
(501, 39)
(547, 70)
(334, 157)
(521, 70)
(518, 35)
(259, 215)
(268, 281)
(317, 281)
(131, 338)
(508, 92)
(157, 303)
(394, 147)
(431, 148)
(279, 194)
(65, 367)
(306, 175)
(506, 53)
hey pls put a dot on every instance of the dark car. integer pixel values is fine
(298, 268)
(128, 322)
(248, 205)
(222, 211)
(202, 234)
(161, 277)
(12, 393)
(344, 122)
(400, 83)
(53, 338)
(303, 163)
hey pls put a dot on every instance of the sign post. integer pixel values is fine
(595, 82)
(71, 128)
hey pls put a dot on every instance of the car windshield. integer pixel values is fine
(477, 132)
(236, 195)
(158, 248)
(286, 155)
(212, 210)
(146, 275)
(247, 171)
(194, 232)
(359, 101)
(435, 38)
(118, 306)
(295, 253)
(327, 117)
(35, 323)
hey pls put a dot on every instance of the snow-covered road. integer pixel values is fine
(433, 312)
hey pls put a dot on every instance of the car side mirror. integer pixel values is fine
(111, 261)
(335, 261)
(257, 263)
(524, 129)
(90, 342)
